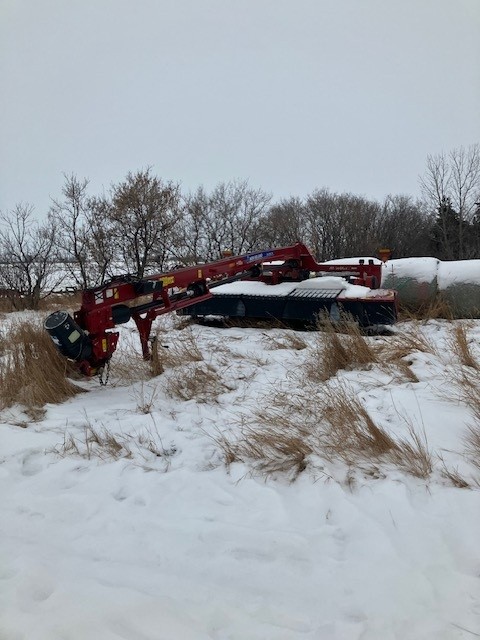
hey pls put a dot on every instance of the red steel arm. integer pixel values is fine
(126, 297)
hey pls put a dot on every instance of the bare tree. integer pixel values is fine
(454, 178)
(27, 247)
(405, 226)
(320, 218)
(236, 212)
(283, 224)
(101, 243)
(143, 213)
(340, 225)
(230, 218)
(191, 241)
(70, 215)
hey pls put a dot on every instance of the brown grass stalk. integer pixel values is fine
(472, 442)
(181, 350)
(99, 442)
(452, 475)
(404, 344)
(339, 347)
(331, 424)
(286, 340)
(461, 346)
(413, 455)
(438, 308)
(198, 381)
(32, 371)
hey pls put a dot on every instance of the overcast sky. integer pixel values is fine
(289, 94)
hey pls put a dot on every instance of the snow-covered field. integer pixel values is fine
(156, 538)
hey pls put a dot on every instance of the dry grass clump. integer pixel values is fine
(351, 432)
(145, 397)
(67, 300)
(332, 425)
(405, 371)
(184, 322)
(353, 436)
(182, 350)
(472, 441)
(461, 346)
(342, 346)
(32, 371)
(100, 442)
(339, 346)
(156, 363)
(453, 476)
(467, 389)
(3, 344)
(279, 442)
(435, 309)
(413, 455)
(198, 381)
(190, 378)
(127, 367)
(287, 340)
(395, 352)
(404, 344)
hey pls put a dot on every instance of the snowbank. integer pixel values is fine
(157, 547)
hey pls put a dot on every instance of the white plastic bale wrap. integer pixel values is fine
(420, 280)
(459, 284)
(415, 279)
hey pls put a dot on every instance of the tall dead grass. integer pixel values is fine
(65, 300)
(332, 425)
(128, 367)
(339, 346)
(96, 441)
(404, 344)
(461, 346)
(15, 302)
(286, 340)
(463, 385)
(183, 349)
(435, 309)
(472, 444)
(468, 388)
(198, 381)
(395, 352)
(32, 371)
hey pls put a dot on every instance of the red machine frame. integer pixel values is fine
(125, 297)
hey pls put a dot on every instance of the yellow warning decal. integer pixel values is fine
(168, 280)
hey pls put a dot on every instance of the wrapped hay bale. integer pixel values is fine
(415, 279)
(459, 286)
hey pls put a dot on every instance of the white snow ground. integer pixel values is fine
(177, 546)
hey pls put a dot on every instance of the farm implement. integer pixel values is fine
(277, 284)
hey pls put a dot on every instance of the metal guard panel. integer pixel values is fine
(315, 294)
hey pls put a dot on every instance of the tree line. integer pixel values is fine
(145, 224)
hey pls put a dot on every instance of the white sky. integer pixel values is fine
(290, 94)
